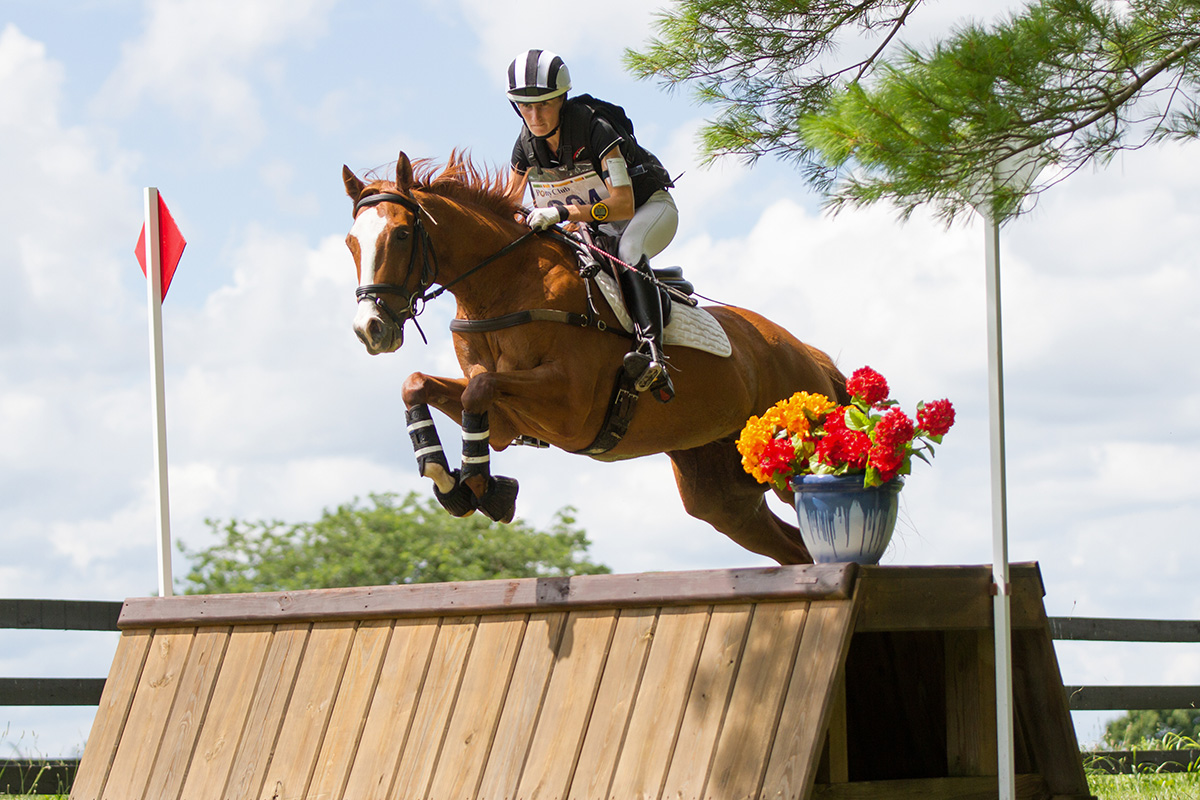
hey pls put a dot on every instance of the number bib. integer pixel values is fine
(561, 187)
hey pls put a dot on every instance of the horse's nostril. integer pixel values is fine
(374, 330)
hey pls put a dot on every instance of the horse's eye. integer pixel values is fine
(400, 234)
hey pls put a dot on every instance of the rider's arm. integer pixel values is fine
(516, 185)
(620, 192)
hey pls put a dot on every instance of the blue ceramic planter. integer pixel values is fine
(841, 521)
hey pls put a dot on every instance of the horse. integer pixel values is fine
(540, 362)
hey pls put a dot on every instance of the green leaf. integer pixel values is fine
(856, 420)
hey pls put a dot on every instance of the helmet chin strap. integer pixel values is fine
(551, 133)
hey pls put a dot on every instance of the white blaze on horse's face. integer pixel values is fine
(378, 334)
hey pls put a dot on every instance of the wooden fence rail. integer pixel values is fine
(50, 776)
(1125, 698)
(88, 615)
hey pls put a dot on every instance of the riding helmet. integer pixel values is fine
(537, 75)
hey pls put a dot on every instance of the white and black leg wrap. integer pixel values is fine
(476, 453)
(427, 447)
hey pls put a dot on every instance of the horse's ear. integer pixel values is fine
(404, 173)
(354, 186)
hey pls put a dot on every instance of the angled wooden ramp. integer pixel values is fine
(795, 682)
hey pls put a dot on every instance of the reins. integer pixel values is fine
(416, 300)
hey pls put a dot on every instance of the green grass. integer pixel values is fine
(1152, 786)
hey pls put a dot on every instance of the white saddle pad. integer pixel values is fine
(689, 327)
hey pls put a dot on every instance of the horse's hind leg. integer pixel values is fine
(716, 489)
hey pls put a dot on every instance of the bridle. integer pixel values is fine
(416, 300)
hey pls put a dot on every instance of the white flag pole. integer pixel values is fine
(154, 294)
(1005, 736)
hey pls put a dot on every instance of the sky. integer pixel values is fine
(242, 115)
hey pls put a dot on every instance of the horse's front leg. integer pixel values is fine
(472, 487)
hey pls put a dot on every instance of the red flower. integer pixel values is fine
(843, 446)
(894, 430)
(886, 459)
(777, 457)
(936, 417)
(867, 385)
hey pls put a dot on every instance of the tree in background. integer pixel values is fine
(1061, 82)
(389, 541)
(1158, 728)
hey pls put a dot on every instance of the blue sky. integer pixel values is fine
(242, 114)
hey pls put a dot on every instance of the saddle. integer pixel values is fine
(684, 324)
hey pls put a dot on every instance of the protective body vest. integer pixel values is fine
(574, 175)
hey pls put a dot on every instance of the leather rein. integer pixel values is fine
(416, 300)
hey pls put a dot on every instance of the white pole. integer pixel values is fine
(154, 294)
(1006, 760)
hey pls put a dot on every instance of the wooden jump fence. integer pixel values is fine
(48, 776)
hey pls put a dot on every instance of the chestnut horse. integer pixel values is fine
(544, 380)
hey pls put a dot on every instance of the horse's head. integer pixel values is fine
(392, 254)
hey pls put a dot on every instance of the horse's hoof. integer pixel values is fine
(499, 503)
(459, 501)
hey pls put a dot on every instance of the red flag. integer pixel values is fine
(170, 246)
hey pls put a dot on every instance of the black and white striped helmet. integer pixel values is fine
(537, 75)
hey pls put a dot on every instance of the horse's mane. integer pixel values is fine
(461, 180)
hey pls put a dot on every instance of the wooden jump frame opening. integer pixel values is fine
(826, 681)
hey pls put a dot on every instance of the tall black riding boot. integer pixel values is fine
(646, 364)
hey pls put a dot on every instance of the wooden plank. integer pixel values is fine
(1040, 708)
(808, 705)
(389, 718)
(834, 766)
(1097, 629)
(1127, 762)
(708, 700)
(112, 714)
(65, 615)
(1122, 698)
(944, 598)
(480, 700)
(187, 714)
(662, 695)
(755, 703)
(434, 706)
(27, 777)
(349, 713)
(527, 689)
(303, 727)
(271, 693)
(152, 702)
(567, 706)
(807, 581)
(51, 691)
(1027, 787)
(228, 710)
(971, 703)
(615, 698)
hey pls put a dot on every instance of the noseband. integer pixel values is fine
(415, 300)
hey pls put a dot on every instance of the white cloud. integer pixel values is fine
(204, 60)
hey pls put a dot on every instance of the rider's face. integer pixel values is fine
(541, 118)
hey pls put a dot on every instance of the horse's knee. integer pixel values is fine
(415, 390)
(480, 392)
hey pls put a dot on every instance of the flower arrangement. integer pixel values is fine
(809, 434)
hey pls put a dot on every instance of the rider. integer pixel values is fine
(580, 168)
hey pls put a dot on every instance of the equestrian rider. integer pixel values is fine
(581, 168)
